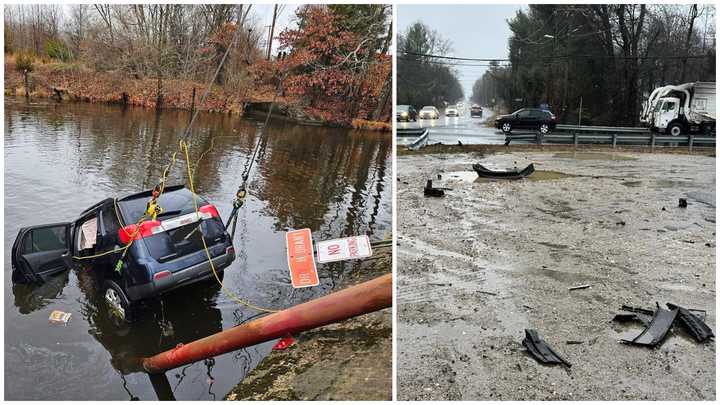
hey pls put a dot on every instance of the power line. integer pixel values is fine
(559, 57)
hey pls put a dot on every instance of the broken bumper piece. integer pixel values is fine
(540, 350)
(692, 323)
(661, 323)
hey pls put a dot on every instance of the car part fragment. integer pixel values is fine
(540, 350)
(483, 171)
(431, 191)
(661, 323)
(693, 325)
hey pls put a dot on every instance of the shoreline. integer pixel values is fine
(349, 360)
(74, 83)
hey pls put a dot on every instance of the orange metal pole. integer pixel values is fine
(361, 299)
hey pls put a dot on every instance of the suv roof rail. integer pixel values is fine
(95, 206)
(148, 193)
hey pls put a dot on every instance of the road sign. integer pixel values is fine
(354, 247)
(301, 259)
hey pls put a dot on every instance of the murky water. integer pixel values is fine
(62, 158)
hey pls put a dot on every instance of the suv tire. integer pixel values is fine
(544, 128)
(506, 127)
(117, 301)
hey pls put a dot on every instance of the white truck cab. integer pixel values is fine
(681, 109)
(666, 110)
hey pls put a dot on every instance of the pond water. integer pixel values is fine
(62, 158)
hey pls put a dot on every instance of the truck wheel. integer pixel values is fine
(120, 306)
(675, 129)
(506, 127)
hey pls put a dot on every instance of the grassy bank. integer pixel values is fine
(76, 82)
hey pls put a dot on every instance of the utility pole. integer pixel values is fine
(272, 29)
(580, 115)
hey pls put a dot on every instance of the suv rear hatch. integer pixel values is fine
(176, 232)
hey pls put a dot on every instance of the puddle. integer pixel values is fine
(665, 183)
(592, 156)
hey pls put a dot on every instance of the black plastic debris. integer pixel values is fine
(540, 350)
(661, 323)
(682, 203)
(692, 323)
(431, 191)
(633, 317)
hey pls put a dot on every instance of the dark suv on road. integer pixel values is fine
(165, 254)
(406, 113)
(527, 118)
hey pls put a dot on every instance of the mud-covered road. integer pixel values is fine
(488, 260)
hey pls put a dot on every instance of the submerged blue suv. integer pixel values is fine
(165, 253)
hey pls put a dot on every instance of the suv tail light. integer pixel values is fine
(131, 232)
(209, 209)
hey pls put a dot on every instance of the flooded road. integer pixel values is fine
(450, 130)
(62, 158)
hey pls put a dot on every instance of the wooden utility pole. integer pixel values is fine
(272, 31)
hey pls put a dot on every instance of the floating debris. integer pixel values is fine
(59, 317)
(579, 287)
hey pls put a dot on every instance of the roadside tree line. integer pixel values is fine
(422, 79)
(608, 56)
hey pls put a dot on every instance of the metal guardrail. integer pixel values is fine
(410, 132)
(618, 137)
(421, 141)
(600, 129)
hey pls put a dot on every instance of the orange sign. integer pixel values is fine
(301, 259)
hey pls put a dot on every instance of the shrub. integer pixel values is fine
(24, 61)
(57, 49)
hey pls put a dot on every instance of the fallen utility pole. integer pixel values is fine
(364, 298)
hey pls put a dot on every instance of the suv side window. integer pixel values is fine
(524, 114)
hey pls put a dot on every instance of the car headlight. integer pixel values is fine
(404, 114)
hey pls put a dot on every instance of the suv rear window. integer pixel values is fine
(180, 241)
(184, 240)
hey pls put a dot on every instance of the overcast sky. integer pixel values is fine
(475, 31)
(264, 13)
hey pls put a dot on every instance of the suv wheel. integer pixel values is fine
(544, 128)
(506, 127)
(675, 129)
(120, 306)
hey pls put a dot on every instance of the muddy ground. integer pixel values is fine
(488, 260)
(351, 360)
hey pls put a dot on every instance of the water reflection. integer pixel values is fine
(31, 297)
(60, 159)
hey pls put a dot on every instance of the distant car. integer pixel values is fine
(527, 118)
(166, 252)
(476, 111)
(406, 113)
(451, 111)
(429, 113)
